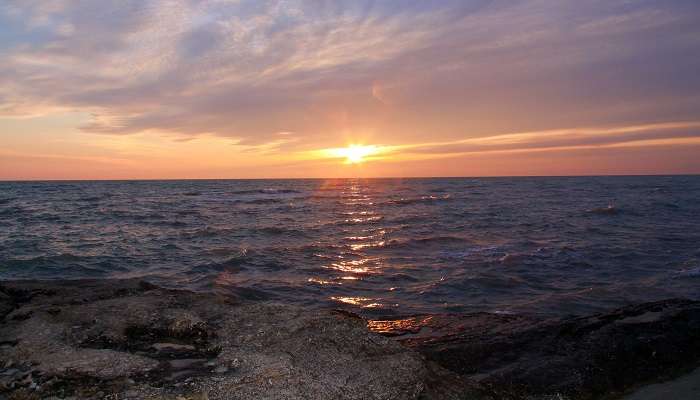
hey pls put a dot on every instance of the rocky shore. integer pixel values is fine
(132, 340)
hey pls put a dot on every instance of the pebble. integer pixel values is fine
(185, 363)
(172, 346)
(222, 369)
(10, 371)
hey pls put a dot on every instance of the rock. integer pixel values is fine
(7, 304)
(221, 369)
(172, 347)
(123, 339)
(142, 342)
(186, 363)
(686, 387)
(580, 358)
(10, 371)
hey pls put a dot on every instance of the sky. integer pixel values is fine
(290, 89)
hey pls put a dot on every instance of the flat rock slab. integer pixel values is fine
(125, 339)
(132, 340)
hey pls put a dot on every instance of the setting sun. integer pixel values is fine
(354, 154)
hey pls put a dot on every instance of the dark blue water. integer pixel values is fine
(386, 246)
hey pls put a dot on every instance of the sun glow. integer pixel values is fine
(354, 153)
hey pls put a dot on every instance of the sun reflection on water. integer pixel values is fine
(363, 302)
(350, 263)
(354, 266)
(322, 282)
(398, 326)
(355, 247)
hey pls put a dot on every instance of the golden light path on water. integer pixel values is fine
(399, 326)
(360, 216)
(351, 264)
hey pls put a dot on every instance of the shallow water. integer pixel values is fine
(385, 246)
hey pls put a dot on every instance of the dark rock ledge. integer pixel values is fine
(132, 340)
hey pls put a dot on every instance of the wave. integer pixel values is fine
(278, 230)
(263, 201)
(608, 210)
(188, 212)
(323, 197)
(690, 273)
(418, 200)
(65, 265)
(360, 221)
(91, 199)
(235, 262)
(57, 257)
(667, 205)
(489, 281)
(170, 223)
(11, 211)
(425, 242)
(48, 217)
(266, 191)
(409, 219)
(471, 251)
(208, 231)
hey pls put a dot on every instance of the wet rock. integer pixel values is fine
(577, 358)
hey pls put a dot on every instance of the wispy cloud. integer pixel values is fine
(249, 69)
(567, 138)
(671, 133)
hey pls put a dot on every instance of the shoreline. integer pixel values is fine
(119, 339)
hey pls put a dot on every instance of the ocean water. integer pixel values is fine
(374, 246)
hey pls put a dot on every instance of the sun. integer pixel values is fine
(355, 153)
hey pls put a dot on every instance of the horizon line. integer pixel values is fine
(344, 178)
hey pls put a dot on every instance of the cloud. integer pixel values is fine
(565, 139)
(249, 69)
(663, 134)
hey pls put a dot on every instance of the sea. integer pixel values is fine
(377, 247)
